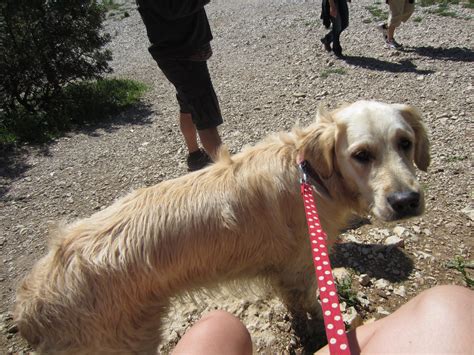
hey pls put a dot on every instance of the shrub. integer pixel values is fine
(45, 45)
(76, 104)
(91, 101)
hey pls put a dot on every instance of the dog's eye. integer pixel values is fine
(362, 156)
(404, 144)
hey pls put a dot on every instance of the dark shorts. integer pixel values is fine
(194, 90)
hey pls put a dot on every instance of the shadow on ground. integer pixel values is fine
(457, 54)
(403, 66)
(13, 158)
(377, 260)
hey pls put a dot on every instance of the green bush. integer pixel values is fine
(92, 101)
(76, 104)
(44, 46)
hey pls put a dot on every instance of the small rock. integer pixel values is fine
(351, 318)
(381, 284)
(399, 230)
(341, 273)
(385, 232)
(469, 211)
(299, 94)
(364, 280)
(427, 232)
(394, 240)
(451, 225)
(6, 317)
(352, 238)
(423, 256)
(400, 291)
(362, 298)
(12, 329)
(381, 310)
(324, 93)
(283, 326)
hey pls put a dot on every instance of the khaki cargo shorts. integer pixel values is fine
(400, 11)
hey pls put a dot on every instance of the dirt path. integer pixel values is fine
(269, 70)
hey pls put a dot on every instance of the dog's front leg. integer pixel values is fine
(297, 288)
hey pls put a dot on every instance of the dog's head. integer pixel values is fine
(369, 148)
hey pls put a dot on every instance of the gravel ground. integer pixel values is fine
(270, 71)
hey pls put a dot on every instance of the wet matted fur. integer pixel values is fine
(106, 282)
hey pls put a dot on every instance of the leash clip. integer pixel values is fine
(302, 166)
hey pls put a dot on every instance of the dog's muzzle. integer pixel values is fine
(405, 204)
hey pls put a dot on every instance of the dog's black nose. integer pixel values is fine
(405, 203)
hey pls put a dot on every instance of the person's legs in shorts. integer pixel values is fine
(199, 108)
(400, 11)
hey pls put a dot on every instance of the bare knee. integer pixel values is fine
(216, 320)
(447, 298)
(447, 307)
(217, 332)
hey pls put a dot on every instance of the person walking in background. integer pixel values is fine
(335, 12)
(180, 37)
(400, 11)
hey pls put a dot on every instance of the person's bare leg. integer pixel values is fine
(439, 320)
(390, 32)
(188, 130)
(210, 140)
(216, 333)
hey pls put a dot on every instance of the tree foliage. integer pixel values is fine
(45, 45)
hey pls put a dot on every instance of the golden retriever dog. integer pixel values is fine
(106, 283)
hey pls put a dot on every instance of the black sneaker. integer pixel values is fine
(198, 160)
(327, 44)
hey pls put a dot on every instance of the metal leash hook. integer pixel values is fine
(301, 168)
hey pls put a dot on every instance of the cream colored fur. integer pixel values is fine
(105, 284)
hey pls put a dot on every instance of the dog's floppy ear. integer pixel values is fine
(318, 145)
(422, 145)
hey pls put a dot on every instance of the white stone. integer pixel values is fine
(352, 238)
(381, 284)
(341, 273)
(362, 298)
(399, 230)
(400, 291)
(395, 240)
(381, 310)
(427, 232)
(351, 318)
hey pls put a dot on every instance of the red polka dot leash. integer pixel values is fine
(333, 322)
